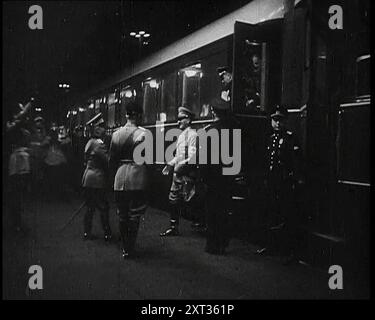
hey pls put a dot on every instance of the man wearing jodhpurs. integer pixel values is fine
(130, 178)
(184, 171)
(94, 181)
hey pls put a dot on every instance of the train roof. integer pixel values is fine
(255, 12)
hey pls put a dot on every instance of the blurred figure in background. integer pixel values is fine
(19, 167)
(39, 145)
(95, 181)
(55, 165)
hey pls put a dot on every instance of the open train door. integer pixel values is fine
(256, 88)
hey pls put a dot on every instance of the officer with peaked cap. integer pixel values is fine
(184, 173)
(218, 185)
(94, 180)
(130, 178)
(282, 152)
(225, 74)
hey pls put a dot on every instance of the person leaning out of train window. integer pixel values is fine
(225, 74)
(94, 181)
(184, 172)
(282, 151)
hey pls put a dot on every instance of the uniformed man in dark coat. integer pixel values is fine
(130, 178)
(94, 181)
(282, 153)
(184, 174)
(218, 185)
(225, 74)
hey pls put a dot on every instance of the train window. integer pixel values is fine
(168, 100)
(252, 77)
(151, 105)
(189, 87)
(363, 76)
(127, 95)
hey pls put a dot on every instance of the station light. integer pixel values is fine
(142, 33)
(146, 35)
(132, 34)
(81, 109)
(74, 112)
(137, 35)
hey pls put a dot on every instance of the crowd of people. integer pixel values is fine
(38, 161)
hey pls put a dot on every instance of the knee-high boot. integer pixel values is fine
(175, 220)
(133, 232)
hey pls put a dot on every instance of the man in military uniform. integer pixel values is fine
(94, 181)
(282, 165)
(184, 174)
(218, 185)
(225, 75)
(130, 178)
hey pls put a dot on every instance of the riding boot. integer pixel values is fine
(173, 228)
(87, 223)
(104, 217)
(133, 232)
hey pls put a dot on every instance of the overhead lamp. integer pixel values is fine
(128, 94)
(146, 35)
(132, 34)
(142, 32)
(137, 35)
(190, 73)
(153, 84)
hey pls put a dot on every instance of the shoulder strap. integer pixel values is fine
(128, 144)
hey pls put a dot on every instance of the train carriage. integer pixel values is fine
(319, 72)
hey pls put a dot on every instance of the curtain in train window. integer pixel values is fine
(211, 85)
(111, 109)
(189, 88)
(151, 105)
(97, 106)
(168, 98)
(117, 109)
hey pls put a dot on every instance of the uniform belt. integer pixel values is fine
(126, 161)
